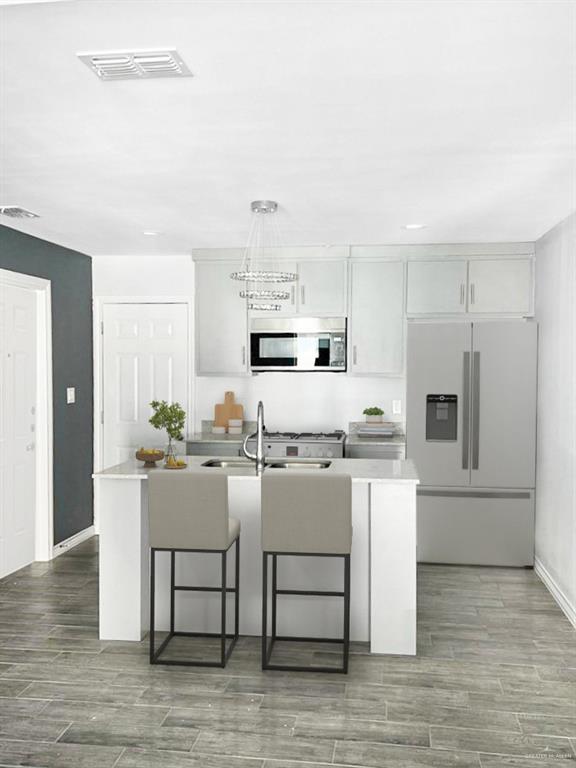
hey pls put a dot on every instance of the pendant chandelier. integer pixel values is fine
(258, 269)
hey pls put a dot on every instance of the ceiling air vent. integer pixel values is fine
(136, 65)
(15, 212)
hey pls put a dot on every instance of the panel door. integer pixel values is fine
(438, 364)
(322, 288)
(221, 337)
(436, 287)
(17, 428)
(500, 285)
(503, 427)
(376, 342)
(145, 358)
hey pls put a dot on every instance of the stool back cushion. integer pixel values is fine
(188, 511)
(306, 513)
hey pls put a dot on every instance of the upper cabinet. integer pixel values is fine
(221, 327)
(376, 338)
(498, 286)
(322, 288)
(436, 287)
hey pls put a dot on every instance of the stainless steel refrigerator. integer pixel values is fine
(471, 431)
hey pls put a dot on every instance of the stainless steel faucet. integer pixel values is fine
(258, 457)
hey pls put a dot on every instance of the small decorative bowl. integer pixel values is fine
(150, 457)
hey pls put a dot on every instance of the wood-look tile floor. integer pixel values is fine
(493, 686)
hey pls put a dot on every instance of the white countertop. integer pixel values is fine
(361, 470)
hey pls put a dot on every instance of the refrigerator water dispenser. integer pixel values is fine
(441, 417)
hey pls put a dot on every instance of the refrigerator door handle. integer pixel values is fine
(465, 408)
(475, 410)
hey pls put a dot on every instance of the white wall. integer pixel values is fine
(302, 401)
(293, 401)
(143, 276)
(556, 441)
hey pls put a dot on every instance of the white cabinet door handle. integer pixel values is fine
(462, 293)
(293, 295)
(354, 355)
(243, 355)
(472, 293)
(302, 294)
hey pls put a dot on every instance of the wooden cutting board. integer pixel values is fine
(229, 409)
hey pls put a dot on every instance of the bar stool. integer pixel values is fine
(189, 513)
(308, 515)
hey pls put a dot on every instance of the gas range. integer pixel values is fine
(305, 444)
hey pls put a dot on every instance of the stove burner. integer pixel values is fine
(337, 435)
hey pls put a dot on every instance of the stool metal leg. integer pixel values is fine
(223, 589)
(268, 648)
(152, 595)
(264, 609)
(346, 651)
(223, 614)
(274, 593)
(172, 590)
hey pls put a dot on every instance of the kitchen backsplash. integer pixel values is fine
(302, 401)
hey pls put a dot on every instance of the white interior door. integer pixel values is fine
(145, 358)
(17, 427)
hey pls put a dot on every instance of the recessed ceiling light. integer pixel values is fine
(136, 65)
(15, 212)
(151, 233)
(414, 226)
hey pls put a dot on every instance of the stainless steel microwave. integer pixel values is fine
(298, 344)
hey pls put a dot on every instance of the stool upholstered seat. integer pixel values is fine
(188, 512)
(305, 515)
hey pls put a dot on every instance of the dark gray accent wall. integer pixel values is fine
(71, 275)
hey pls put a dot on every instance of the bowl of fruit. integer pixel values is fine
(149, 456)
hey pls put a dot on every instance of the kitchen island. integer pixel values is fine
(383, 562)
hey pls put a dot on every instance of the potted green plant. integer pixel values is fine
(373, 414)
(172, 418)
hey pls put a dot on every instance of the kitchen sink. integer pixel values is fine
(229, 463)
(281, 464)
(299, 464)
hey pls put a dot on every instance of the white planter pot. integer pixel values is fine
(374, 419)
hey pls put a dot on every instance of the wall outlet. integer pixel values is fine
(397, 407)
(71, 395)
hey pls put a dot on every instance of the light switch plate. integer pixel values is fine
(397, 407)
(71, 395)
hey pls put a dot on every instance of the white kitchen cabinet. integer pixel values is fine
(436, 287)
(289, 305)
(376, 339)
(322, 288)
(500, 286)
(221, 323)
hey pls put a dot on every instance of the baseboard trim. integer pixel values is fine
(73, 541)
(557, 593)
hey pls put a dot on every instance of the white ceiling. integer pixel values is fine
(358, 117)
